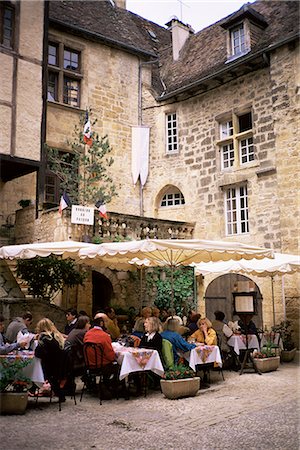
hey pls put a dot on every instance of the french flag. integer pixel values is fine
(87, 132)
(64, 202)
(102, 209)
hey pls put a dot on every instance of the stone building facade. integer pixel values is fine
(224, 124)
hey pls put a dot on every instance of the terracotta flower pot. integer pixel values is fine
(288, 355)
(13, 402)
(267, 364)
(187, 387)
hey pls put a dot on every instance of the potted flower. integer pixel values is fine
(266, 360)
(179, 381)
(289, 349)
(13, 385)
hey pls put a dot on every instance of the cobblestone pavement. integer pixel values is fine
(244, 412)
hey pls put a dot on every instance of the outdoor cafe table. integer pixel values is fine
(203, 354)
(133, 359)
(238, 342)
(33, 371)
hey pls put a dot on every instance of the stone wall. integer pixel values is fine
(39, 308)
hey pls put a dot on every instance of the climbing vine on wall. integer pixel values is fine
(159, 287)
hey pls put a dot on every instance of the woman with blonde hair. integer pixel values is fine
(152, 338)
(205, 334)
(50, 350)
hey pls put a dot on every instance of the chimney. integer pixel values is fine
(120, 3)
(180, 33)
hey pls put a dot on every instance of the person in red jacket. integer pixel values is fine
(96, 335)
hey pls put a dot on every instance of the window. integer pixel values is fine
(53, 182)
(172, 198)
(236, 209)
(236, 141)
(64, 74)
(238, 40)
(171, 132)
(7, 24)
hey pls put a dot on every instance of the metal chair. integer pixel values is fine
(93, 357)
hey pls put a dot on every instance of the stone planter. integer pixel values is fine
(267, 364)
(288, 355)
(13, 402)
(187, 387)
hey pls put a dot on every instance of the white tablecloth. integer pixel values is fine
(238, 342)
(34, 370)
(137, 359)
(203, 354)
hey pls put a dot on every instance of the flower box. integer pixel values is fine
(13, 402)
(187, 387)
(288, 355)
(267, 364)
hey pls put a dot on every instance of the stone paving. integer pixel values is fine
(244, 412)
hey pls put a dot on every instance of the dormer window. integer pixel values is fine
(238, 45)
(244, 29)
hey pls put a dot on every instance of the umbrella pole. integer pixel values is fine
(141, 289)
(172, 288)
(283, 297)
(273, 301)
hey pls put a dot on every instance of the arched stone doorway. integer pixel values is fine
(218, 296)
(102, 291)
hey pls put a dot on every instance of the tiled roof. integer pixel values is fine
(100, 20)
(204, 53)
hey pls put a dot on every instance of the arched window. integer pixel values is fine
(173, 197)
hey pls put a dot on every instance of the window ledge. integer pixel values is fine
(172, 153)
(266, 172)
(235, 57)
(64, 106)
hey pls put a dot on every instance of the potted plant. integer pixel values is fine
(289, 349)
(179, 381)
(266, 360)
(13, 385)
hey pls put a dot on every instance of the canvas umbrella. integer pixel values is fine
(26, 251)
(281, 264)
(172, 253)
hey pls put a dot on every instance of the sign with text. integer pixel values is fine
(82, 214)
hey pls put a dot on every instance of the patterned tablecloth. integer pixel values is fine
(203, 354)
(34, 370)
(238, 342)
(137, 359)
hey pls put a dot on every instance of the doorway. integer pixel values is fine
(102, 291)
(218, 296)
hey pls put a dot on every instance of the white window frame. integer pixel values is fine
(227, 155)
(172, 198)
(236, 147)
(171, 133)
(236, 210)
(246, 150)
(238, 40)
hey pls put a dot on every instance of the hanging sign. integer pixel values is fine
(82, 214)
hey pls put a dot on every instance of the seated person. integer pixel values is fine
(171, 334)
(50, 350)
(152, 338)
(139, 329)
(96, 335)
(6, 348)
(74, 341)
(205, 334)
(112, 323)
(193, 318)
(16, 325)
(71, 316)
(223, 331)
(247, 324)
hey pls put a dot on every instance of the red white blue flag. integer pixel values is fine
(64, 202)
(102, 209)
(87, 132)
